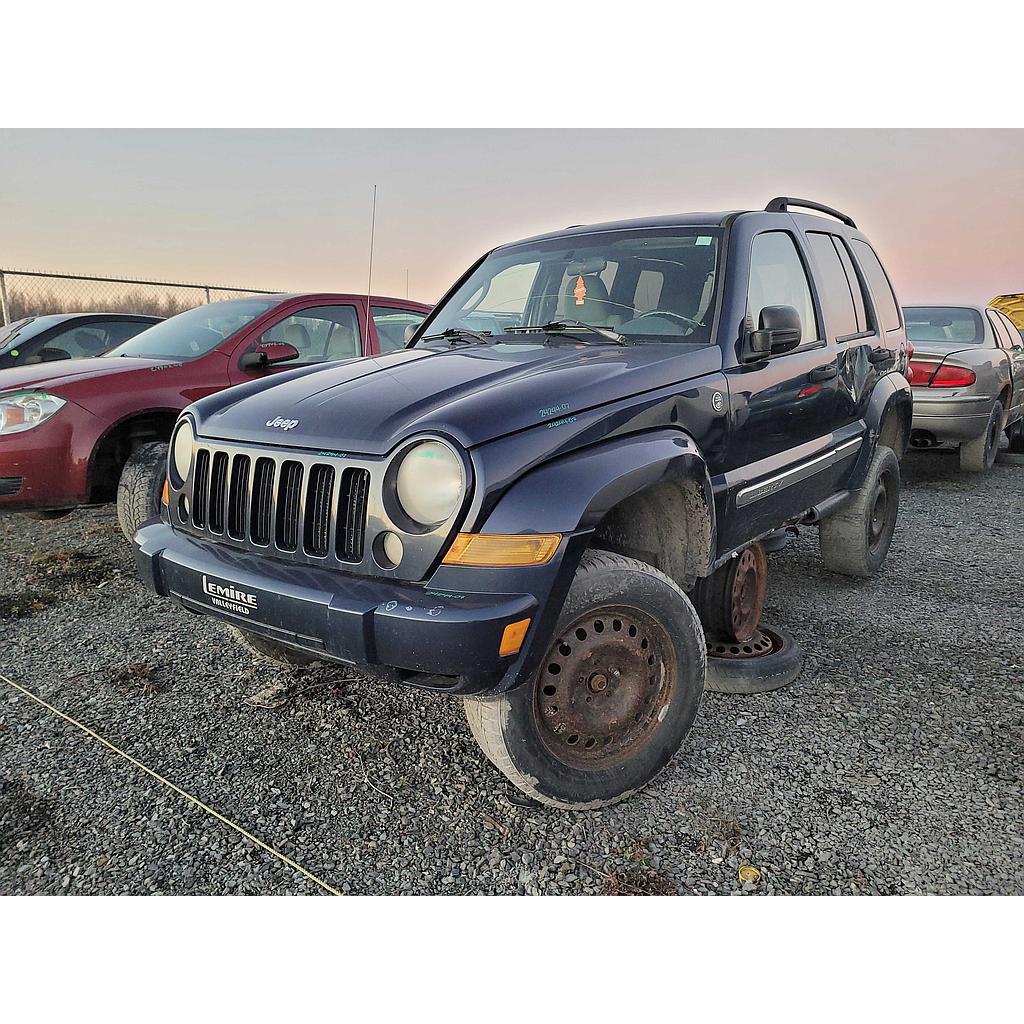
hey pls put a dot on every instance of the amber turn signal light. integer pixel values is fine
(500, 549)
(165, 494)
(513, 637)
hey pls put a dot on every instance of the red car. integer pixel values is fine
(90, 431)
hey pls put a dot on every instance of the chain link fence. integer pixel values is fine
(31, 293)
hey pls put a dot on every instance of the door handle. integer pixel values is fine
(824, 373)
(880, 355)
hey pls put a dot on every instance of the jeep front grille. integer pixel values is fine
(291, 506)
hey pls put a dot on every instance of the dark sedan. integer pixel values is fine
(42, 339)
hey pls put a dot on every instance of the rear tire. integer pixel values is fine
(140, 486)
(614, 697)
(271, 649)
(977, 456)
(855, 541)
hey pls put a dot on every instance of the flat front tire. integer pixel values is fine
(855, 541)
(138, 490)
(614, 697)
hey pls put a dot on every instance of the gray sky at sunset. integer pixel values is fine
(291, 209)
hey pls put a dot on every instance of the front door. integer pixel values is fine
(318, 333)
(784, 407)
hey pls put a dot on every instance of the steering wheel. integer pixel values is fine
(669, 313)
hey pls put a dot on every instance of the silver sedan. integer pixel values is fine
(967, 372)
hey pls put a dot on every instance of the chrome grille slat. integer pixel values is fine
(262, 501)
(289, 497)
(351, 532)
(218, 489)
(238, 503)
(200, 488)
(317, 518)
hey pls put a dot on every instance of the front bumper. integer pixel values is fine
(436, 637)
(37, 469)
(956, 417)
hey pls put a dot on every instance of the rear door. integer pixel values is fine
(851, 324)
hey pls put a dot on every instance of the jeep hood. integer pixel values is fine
(472, 394)
(61, 376)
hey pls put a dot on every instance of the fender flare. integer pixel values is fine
(575, 493)
(891, 394)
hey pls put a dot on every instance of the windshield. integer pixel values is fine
(944, 323)
(195, 332)
(647, 285)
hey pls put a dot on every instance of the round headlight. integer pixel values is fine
(430, 483)
(181, 452)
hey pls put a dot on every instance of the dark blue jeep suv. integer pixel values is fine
(589, 425)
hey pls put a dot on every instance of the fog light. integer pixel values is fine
(393, 549)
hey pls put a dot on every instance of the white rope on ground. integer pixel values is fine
(170, 785)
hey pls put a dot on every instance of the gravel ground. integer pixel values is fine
(893, 765)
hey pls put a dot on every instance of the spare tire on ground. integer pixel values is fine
(738, 668)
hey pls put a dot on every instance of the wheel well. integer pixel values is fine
(895, 429)
(668, 526)
(118, 444)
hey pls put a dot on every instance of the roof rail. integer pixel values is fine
(781, 204)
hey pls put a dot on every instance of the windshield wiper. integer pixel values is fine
(562, 326)
(464, 334)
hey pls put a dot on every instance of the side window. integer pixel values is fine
(865, 323)
(998, 329)
(121, 330)
(319, 333)
(1016, 334)
(391, 325)
(79, 342)
(837, 296)
(778, 278)
(1010, 337)
(885, 300)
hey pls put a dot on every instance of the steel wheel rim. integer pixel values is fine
(604, 687)
(879, 513)
(749, 585)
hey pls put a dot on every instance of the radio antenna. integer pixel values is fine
(369, 272)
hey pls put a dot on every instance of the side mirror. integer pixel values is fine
(410, 331)
(262, 356)
(779, 331)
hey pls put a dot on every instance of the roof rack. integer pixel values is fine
(781, 204)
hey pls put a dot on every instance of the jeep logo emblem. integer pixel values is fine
(229, 597)
(282, 424)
